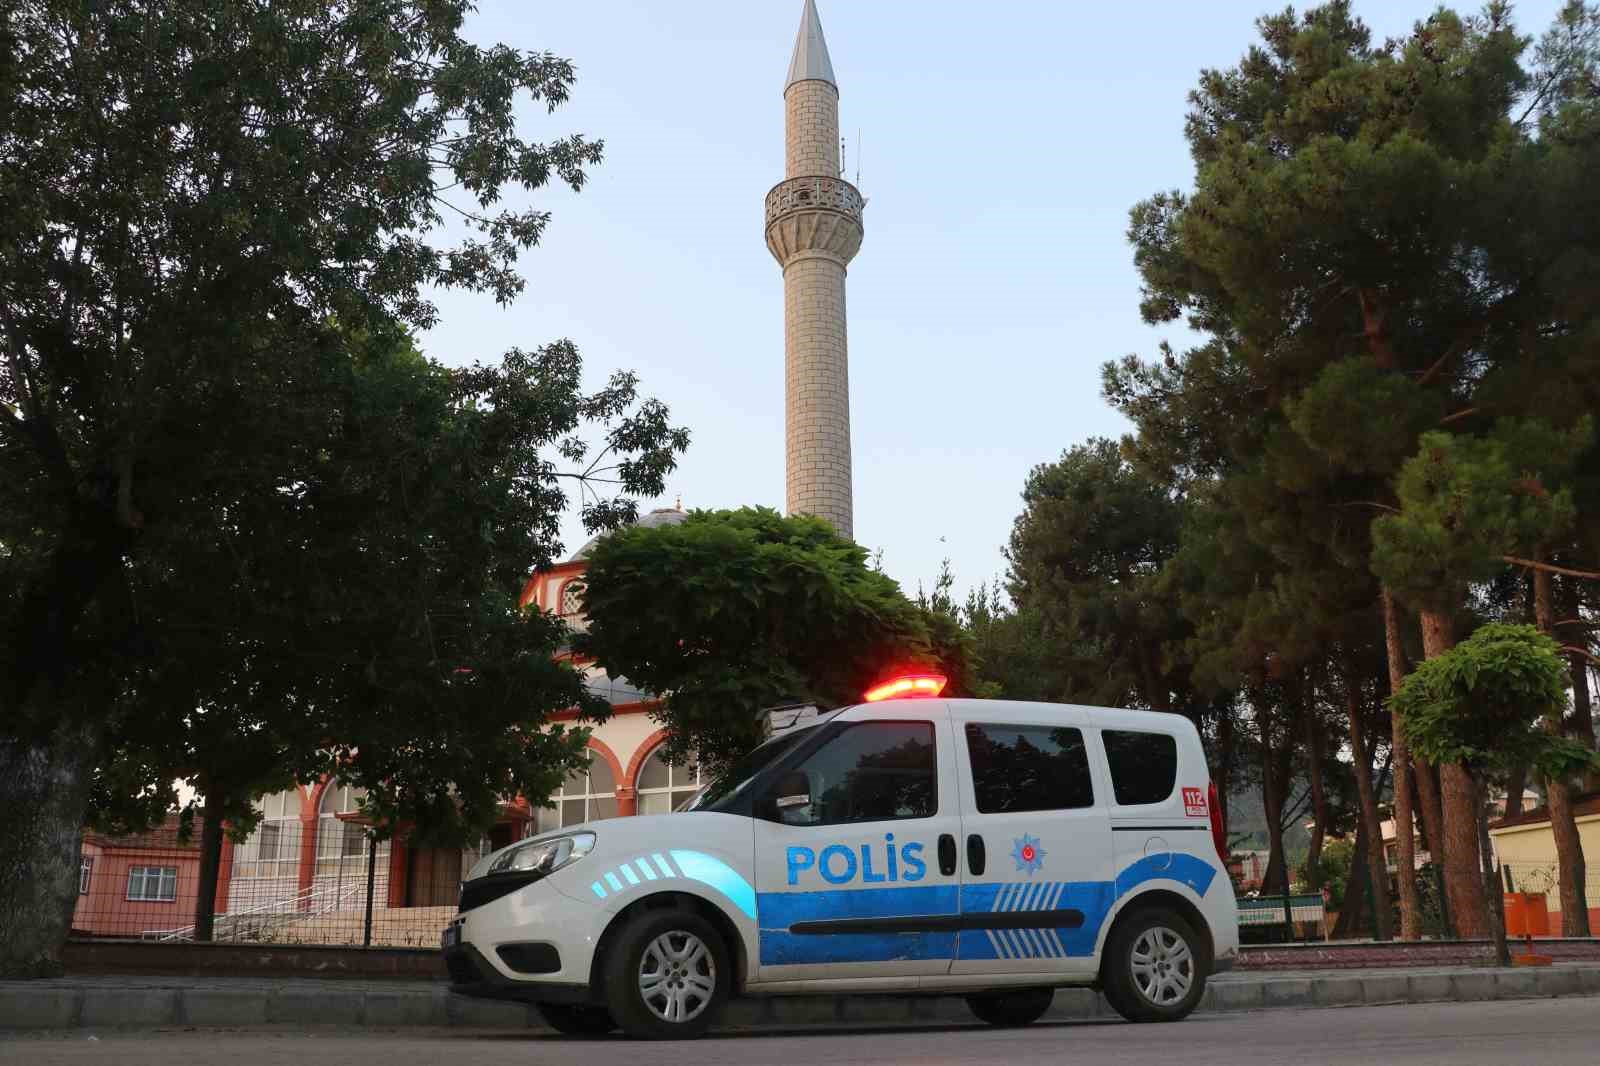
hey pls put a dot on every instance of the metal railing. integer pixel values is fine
(257, 923)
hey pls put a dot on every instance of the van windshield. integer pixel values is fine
(732, 781)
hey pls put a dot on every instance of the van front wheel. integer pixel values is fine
(667, 976)
(1153, 970)
(1011, 1009)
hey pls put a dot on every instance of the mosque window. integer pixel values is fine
(663, 787)
(273, 849)
(341, 844)
(586, 796)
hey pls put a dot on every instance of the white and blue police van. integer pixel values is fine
(990, 849)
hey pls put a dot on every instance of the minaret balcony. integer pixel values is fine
(814, 214)
(814, 193)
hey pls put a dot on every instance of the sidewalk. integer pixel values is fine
(159, 1002)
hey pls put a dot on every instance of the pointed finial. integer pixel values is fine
(810, 62)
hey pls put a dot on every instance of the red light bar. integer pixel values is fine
(915, 686)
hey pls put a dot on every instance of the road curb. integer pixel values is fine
(107, 1004)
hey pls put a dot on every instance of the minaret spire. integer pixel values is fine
(811, 61)
(814, 230)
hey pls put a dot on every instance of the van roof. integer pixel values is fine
(1101, 716)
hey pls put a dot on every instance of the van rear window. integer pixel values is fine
(1144, 766)
(1028, 768)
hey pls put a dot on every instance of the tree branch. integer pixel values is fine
(1588, 575)
(1466, 338)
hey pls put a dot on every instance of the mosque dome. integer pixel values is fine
(661, 516)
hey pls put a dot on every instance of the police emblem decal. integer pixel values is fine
(1028, 854)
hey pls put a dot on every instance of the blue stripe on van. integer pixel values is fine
(779, 911)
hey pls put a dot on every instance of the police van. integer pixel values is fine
(909, 844)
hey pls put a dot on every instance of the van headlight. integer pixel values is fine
(542, 857)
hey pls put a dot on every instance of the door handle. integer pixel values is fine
(947, 855)
(975, 856)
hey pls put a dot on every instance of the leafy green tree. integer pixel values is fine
(365, 624)
(208, 206)
(729, 612)
(1467, 503)
(1086, 554)
(1477, 705)
(1374, 249)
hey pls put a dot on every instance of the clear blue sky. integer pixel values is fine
(1003, 143)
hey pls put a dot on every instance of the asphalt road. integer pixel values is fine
(1549, 1032)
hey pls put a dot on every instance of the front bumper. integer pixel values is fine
(535, 944)
(471, 974)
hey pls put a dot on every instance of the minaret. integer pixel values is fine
(814, 230)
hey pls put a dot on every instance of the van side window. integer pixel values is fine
(871, 772)
(1028, 768)
(1144, 766)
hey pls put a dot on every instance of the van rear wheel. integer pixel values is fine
(1154, 970)
(667, 976)
(1011, 1009)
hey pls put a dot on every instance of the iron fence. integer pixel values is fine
(321, 881)
(1277, 919)
(1543, 879)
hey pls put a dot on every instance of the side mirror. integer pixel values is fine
(793, 790)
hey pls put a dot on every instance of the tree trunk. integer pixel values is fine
(1224, 763)
(1319, 799)
(1355, 893)
(1563, 826)
(1405, 841)
(1582, 711)
(44, 792)
(210, 865)
(1377, 869)
(1516, 785)
(1430, 806)
(1457, 846)
(1493, 886)
(1272, 799)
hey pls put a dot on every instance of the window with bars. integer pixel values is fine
(85, 875)
(339, 841)
(570, 609)
(273, 849)
(587, 796)
(663, 788)
(153, 884)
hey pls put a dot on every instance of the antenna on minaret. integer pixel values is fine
(844, 158)
(858, 157)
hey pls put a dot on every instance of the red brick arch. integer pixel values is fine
(604, 751)
(311, 799)
(643, 752)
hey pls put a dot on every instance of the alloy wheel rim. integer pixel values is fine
(677, 976)
(1163, 966)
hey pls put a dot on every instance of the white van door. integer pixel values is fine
(1036, 851)
(856, 872)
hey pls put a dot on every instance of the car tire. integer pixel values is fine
(1008, 1010)
(577, 1019)
(1155, 967)
(665, 963)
